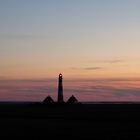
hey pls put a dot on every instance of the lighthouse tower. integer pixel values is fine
(60, 88)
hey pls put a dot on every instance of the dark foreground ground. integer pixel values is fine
(96, 121)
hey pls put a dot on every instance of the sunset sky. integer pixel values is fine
(83, 39)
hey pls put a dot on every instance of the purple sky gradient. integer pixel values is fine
(89, 90)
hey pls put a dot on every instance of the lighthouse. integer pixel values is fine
(60, 88)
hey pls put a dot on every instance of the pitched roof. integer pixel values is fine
(72, 100)
(48, 99)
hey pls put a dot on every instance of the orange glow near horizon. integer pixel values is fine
(88, 72)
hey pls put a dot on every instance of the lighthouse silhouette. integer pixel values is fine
(60, 88)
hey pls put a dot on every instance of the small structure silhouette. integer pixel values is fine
(72, 100)
(48, 100)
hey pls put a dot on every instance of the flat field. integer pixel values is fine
(99, 121)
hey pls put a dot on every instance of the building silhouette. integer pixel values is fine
(72, 100)
(60, 88)
(48, 100)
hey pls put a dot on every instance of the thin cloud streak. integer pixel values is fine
(23, 36)
(87, 68)
(113, 61)
(93, 68)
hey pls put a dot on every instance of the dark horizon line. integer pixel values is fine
(83, 102)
